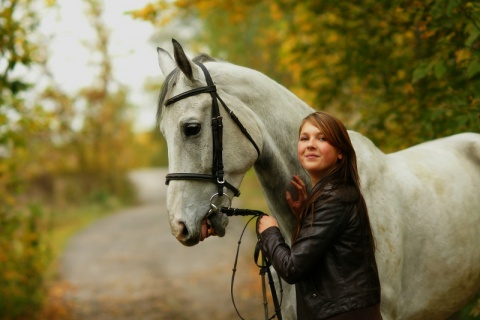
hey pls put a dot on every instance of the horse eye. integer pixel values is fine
(191, 129)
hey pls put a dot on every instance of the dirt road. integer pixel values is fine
(129, 266)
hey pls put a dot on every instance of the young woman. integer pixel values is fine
(331, 260)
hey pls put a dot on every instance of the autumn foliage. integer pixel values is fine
(57, 151)
(401, 72)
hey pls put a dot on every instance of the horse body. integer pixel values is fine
(422, 201)
(435, 189)
(424, 210)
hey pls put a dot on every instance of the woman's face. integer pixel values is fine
(316, 155)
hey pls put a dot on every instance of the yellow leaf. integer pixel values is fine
(462, 55)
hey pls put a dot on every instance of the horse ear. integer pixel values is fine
(189, 69)
(166, 62)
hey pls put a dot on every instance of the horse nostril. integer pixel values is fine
(184, 235)
(183, 230)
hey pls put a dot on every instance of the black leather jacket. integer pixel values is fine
(331, 263)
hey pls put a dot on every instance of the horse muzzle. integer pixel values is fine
(190, 234)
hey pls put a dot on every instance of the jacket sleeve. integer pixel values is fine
(313, 240)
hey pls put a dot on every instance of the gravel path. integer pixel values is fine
(129, 266)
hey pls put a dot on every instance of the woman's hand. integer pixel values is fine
(296, 204)
(266, 222)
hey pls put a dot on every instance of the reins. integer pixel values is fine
(264, 265)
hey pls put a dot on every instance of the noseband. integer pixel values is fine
(217, 175)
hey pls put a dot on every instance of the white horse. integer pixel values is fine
(424, 202)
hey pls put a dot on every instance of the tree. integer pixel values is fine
(94, 152)
(23, 255)
(401, 71)
(42, 152)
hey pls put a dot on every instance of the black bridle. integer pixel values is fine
(217, 175)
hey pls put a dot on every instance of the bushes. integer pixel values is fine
(24, 257)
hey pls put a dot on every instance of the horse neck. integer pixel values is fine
(279, 113)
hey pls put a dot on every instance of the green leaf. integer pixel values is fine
(451, 5)
(473, 33)
(439, 69)
(421, 72)
(473, 68)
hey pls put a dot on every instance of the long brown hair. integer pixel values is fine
(345, 171)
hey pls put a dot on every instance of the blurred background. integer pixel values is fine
(79, 82)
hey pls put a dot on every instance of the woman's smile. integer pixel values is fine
(315, 153)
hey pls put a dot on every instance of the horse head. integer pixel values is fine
(208, 152)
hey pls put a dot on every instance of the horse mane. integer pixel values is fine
(171, 79)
